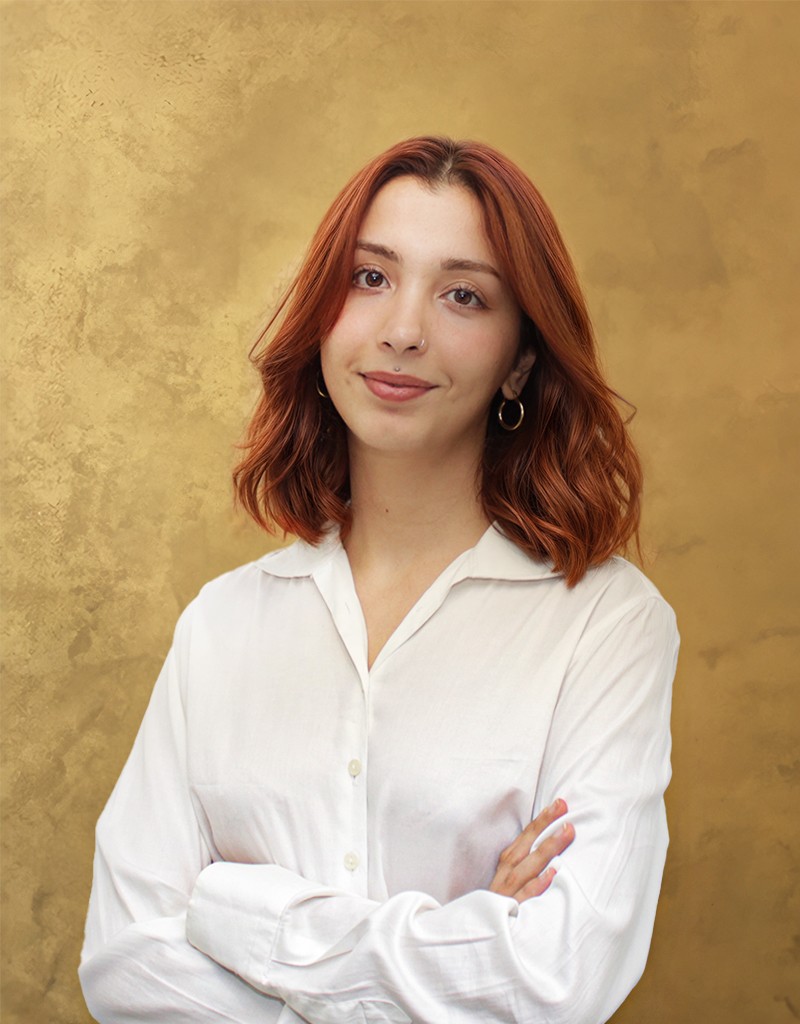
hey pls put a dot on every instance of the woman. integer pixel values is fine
(330, 809)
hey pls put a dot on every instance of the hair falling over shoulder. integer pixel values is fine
(565, 486)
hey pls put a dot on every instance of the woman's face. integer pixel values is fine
(429, 330)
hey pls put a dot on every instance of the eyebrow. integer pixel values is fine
(378, 250)
(474, 265)
(455, 263)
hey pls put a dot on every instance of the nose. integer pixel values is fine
(403, 329)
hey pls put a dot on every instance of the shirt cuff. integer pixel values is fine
(235, 913)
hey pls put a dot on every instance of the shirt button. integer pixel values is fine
(354, 767)
(351, 861)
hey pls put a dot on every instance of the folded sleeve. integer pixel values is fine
(137, 964)
(568, 957)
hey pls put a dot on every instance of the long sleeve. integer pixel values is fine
(137, 964)
(568, 957)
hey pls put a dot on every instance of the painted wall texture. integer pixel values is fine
(165, 165)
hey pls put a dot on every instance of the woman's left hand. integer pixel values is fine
(524, 873)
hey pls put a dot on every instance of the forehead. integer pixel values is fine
(409, 213)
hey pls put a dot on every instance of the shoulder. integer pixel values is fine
(619, 595)
(618, 580)
(615, 582)
(234, 597)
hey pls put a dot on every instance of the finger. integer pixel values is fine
(536, 886)
(530, 867)
(538, 859)
(521, 846)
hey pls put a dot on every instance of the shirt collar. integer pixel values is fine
(300, 558)
(497, 557)
(494, 557)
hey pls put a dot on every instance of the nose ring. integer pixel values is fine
(421, 344)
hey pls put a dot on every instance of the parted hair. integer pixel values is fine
(565, 486)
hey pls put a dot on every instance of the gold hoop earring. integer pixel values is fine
(321, 386)
(520, 417)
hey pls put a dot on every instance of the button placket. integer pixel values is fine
(354, 858)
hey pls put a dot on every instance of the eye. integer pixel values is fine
(368, 277)
(466, 297)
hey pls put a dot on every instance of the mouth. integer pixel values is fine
(396, 387)
(400, 380)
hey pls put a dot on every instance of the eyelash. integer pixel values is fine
(478, 303)
(366, 270)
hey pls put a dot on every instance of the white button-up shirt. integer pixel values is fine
(297, 836)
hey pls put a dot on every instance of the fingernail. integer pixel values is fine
(566, 828)
(556, 805)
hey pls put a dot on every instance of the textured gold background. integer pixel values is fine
(166, 163)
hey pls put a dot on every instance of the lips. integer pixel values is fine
(401, 380)
(396, 387)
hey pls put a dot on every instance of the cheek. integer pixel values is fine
(338, 359)
(493, 356)
(325, 354)
(508, 351)
(345, 338)
(333, 346)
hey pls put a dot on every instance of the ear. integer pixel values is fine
(518, 378)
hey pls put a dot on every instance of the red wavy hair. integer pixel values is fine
(565, 486)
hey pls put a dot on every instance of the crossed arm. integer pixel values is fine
(150, 971)
(173, 937)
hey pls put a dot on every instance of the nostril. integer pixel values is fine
(403, 341)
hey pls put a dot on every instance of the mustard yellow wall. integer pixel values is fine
(166, 163)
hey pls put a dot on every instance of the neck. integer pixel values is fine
(408, 509)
